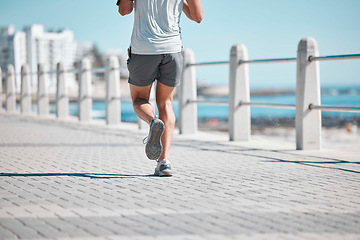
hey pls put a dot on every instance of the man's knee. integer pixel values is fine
(164, 105)
(140, 101)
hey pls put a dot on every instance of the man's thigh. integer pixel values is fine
(140, 93)
(143, 69)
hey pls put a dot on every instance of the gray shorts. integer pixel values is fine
(144, 69)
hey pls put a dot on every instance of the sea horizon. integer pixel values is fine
(340, 96)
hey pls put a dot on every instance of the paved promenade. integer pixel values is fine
(63, 179)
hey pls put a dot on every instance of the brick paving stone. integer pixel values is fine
(90, 227)
(7, 234)
(117, 228)
(66, 180)
(43, 229)
(18, 228)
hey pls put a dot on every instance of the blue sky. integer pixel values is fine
(269, 29)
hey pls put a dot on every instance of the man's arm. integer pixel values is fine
(125, 6)
(193, 10)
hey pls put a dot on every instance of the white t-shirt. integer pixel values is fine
(156, 27)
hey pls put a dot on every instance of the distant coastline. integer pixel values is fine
(259, 124)
(223, 91)
(203, 90)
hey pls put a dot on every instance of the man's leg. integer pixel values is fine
(144, 110)
(164, 99)
(140, 98)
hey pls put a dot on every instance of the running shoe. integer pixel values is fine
(153, 148)
(163, 168)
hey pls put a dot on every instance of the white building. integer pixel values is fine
(34, 46)
(12, 50)
(49, 48)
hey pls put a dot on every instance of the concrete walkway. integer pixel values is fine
(88, 181)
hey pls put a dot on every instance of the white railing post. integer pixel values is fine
(113, 102)
(307, 122)
(25, 101)
(1, 95)
(10, 89)
(85, 91)
(42, 96)
(188, 119)
(62, 98)
(239, 91)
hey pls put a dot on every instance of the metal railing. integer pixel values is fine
(254, 61)
(208, 63)
(332, 108)
(335, 57)
(84, 97)
(70, 70)
(275, 60)
(253, 104)
(308, 121)
(208, 102)
(267, 105)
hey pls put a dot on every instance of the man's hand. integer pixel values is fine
(193, 10)
(125, 7)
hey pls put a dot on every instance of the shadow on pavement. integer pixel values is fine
(86, 175)
(314, 164)
(317, 161)
(5, 145)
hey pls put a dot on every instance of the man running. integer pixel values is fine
(155, 54)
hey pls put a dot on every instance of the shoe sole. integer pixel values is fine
(165, 173)
(153, 147)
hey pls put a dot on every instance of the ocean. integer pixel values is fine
(339, 96)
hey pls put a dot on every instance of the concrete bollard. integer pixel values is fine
(113, 102)
(188, 119)
(62, 98)
(307, 122)
(1, 96)
(85, 91)
(10, 89)
(239, 91)
(25, 101)
(42, 95)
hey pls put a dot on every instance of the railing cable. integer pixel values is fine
(335, 57)
(207, 63)
(333, 108)
(275, 60)
(207, 102)
(268, 105)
